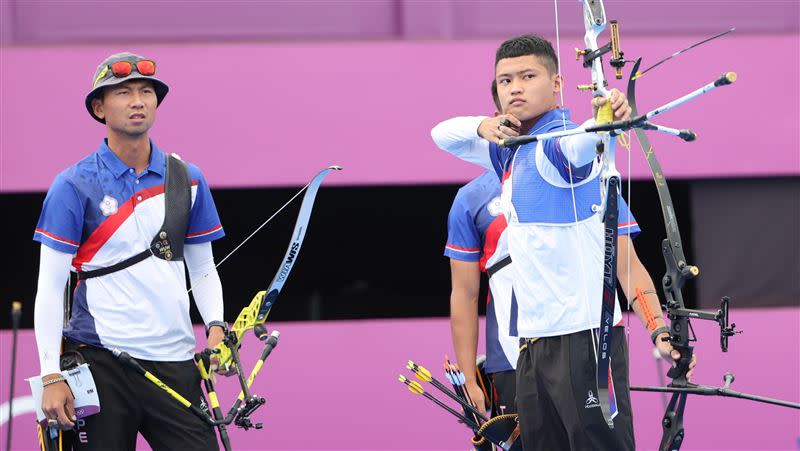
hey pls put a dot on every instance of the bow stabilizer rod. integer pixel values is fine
(640, 121)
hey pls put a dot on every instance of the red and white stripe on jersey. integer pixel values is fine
(125, 233)
(204, 232)
(55, 237)
(493, 233)
(466, 250)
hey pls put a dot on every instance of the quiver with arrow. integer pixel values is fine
(502, 430)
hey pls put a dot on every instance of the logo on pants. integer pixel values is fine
(592, 401)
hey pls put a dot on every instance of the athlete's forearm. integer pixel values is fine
(646, 305)
(639, 289)
(204, 278)
(48, 310)
(466, 282)
(459, 137)
(464, 329)
(580, 150)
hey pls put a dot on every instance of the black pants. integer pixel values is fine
(504, 393)
(129, 403)
(557, 395)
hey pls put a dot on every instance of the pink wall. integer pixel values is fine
(273, 114)
(49, 22)
(334, 385)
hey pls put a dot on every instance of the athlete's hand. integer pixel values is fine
(476, 394)
(619, 103)
(58, 403)
(500, 127)
(671, 354)
(215, 336)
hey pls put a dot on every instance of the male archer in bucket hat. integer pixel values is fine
(125, 218)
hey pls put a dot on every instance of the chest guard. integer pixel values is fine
(168, 242)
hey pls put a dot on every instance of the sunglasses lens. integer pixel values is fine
(121, 69)
(146, 67)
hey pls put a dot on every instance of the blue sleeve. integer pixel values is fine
(204, 223)
(559, 161)
(463, 238)
(60, 224)
(627, 224)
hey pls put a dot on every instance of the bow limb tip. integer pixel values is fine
(335, 167)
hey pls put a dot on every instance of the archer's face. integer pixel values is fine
(525, 87)
(129, 108)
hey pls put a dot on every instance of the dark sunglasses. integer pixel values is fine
(122, 69)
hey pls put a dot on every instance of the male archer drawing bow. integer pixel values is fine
(679, 334)
(552, 200)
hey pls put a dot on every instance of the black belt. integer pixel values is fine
(492, 270)
(83, 275)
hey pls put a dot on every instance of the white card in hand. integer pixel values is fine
(81, 383)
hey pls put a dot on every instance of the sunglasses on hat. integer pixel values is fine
(122, 69)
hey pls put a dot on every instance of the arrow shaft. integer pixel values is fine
(457, 399)
(444, 406)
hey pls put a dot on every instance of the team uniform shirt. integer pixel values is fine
(102, 212)
(557, 268)
(475, 228)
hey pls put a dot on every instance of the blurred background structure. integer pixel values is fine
(266, 93)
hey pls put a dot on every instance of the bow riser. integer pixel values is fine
(594, 21)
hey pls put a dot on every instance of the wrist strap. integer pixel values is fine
(221, 324)
(657, 332)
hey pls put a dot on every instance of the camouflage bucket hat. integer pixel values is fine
(105, 75)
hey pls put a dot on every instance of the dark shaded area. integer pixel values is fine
(749, 244)
(370, 252)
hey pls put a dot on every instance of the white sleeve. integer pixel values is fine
(48, 309)
(204, 279)
(580, 149)
(459, 136)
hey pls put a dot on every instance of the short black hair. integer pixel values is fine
(529, 44)
(496, 97)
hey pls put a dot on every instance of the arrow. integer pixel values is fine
(424, 375)
(416, 388)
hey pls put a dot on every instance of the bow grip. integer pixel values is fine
(225, 357)
(678, 372)
(605, 113)
(203, 362)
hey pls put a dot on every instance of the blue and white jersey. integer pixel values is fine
(475, 226)
(102, 212)
(558, 261)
